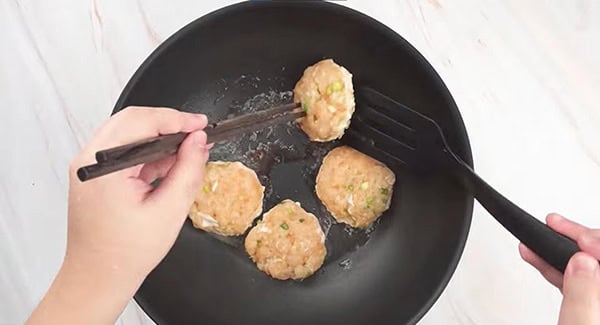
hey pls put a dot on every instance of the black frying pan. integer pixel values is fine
(390, 273)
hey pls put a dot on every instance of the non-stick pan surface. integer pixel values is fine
(247, 57)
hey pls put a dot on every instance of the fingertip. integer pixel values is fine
(527, 254)
(559, 223)
(198, 138)
(203, 120)
(196, 153)
(589, 241)
(522, 250)
(565, 226)
(193, 122)
(582, 264)
(553, 218)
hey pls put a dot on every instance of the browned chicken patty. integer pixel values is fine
(327, 95)
(288, 243)
(229, 200)
(355, 188)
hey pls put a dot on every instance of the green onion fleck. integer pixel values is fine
(258, 243)
(301, 220)
(304, 107)
(384, 191)
(289, 211)
(337, 86)
(329, 90)
(284, 226)
(350, 187)
(206, 189)
(369, 201)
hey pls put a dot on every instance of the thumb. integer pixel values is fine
(581, 291)
(175, 193)
(589, 242)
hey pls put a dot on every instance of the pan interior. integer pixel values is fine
(248, 57)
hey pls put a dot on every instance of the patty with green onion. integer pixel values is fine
(288, 243)
(229, 199)
(326, 93)
(355, 188)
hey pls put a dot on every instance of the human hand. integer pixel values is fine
(580, 284)
(119, 226)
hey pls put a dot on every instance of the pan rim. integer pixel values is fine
(392, 35)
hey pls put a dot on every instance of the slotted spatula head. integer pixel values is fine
(383, 127)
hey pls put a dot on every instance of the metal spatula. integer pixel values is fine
(387, 128)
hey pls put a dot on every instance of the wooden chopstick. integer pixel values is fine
(149, 150)
(213, 131)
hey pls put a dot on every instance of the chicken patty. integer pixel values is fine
(288, 243)
(355, 188)
(230, 198)
(327, 95)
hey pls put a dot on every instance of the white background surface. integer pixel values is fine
(525, 75)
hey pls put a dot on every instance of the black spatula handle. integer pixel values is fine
(553, 247)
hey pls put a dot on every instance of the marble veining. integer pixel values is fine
(525, 75)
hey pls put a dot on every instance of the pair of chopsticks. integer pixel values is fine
(153, 149)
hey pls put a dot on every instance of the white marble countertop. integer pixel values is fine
(525, 75)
